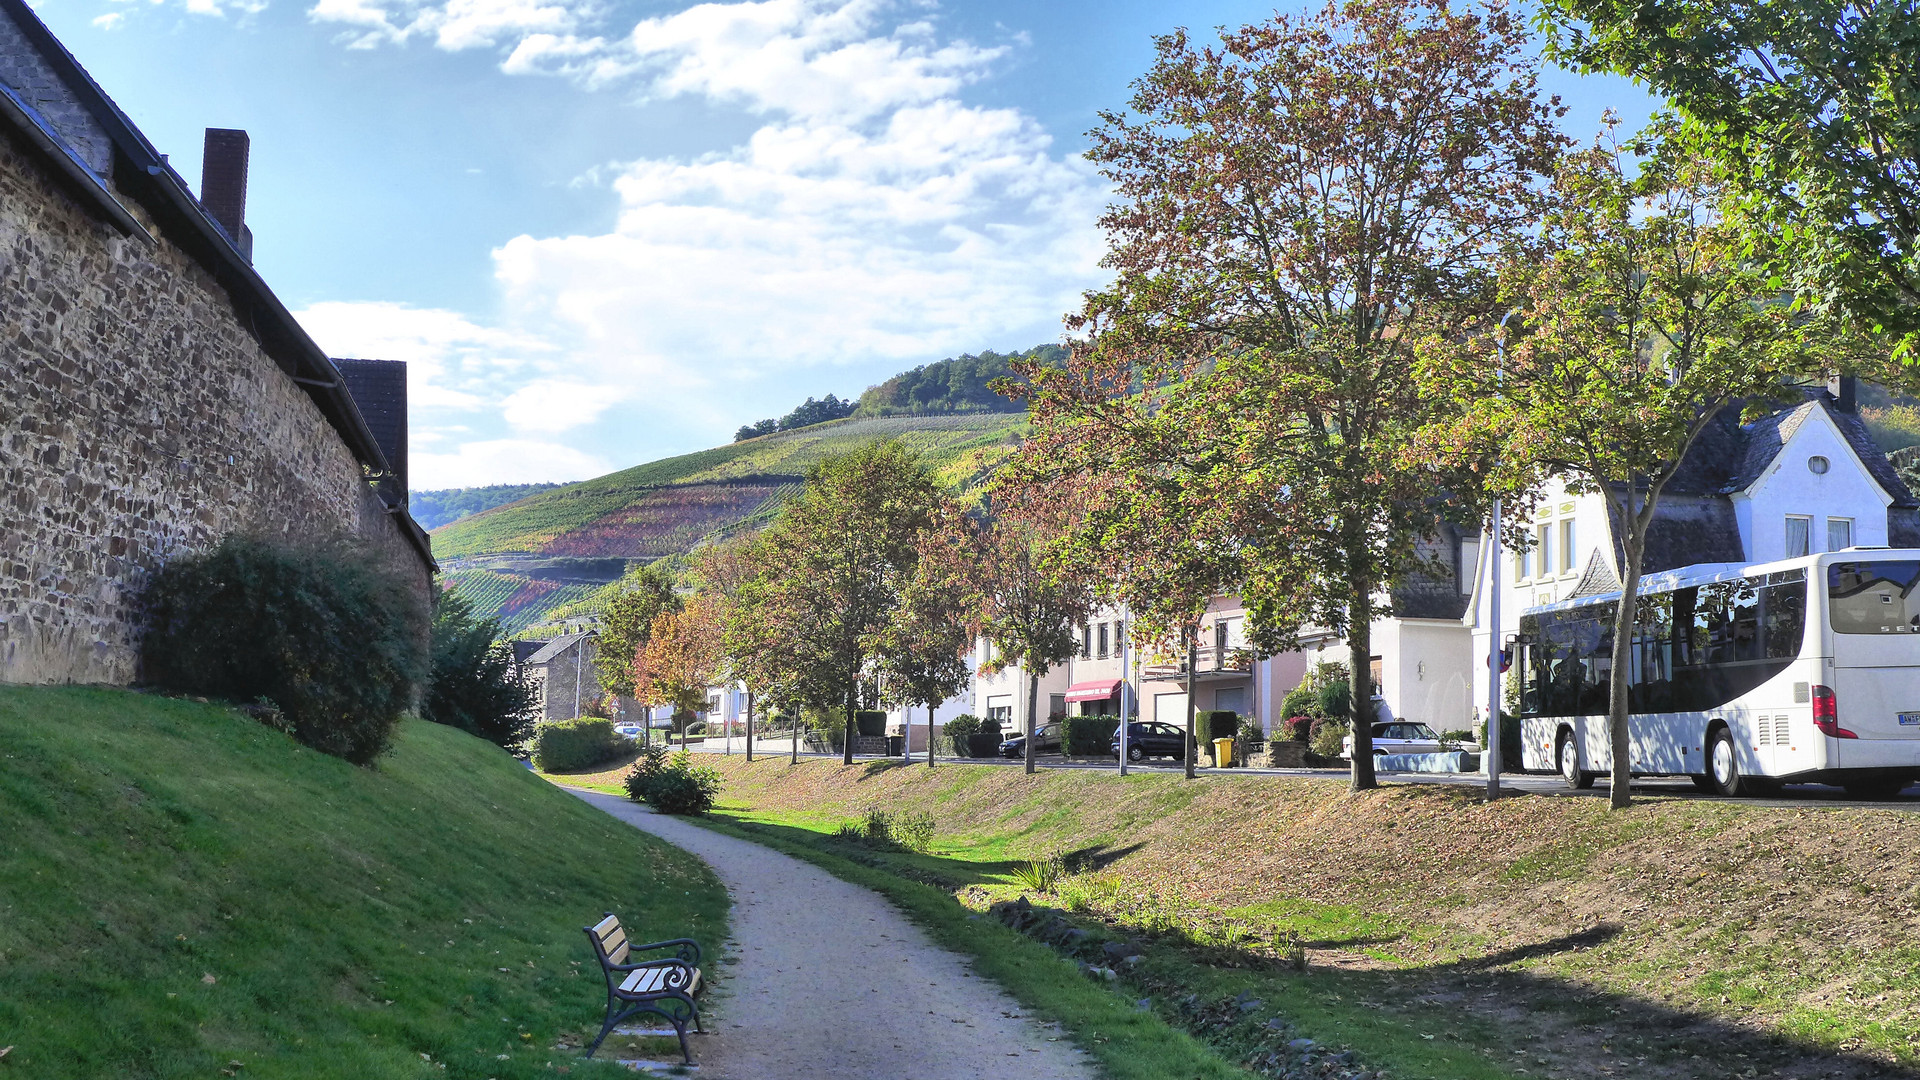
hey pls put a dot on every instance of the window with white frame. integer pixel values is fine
(1839, 534)
(1799, 531)
(1103, 641)
(1519, 566)
(1543, 543)
(1566, 545)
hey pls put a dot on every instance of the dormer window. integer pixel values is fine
(1818, 465)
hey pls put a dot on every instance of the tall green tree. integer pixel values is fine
(1644, 326)
(834, 567)
(1024, 604)
(1806, 108)
(1296, 206)
(922, 654)
(645, 594)
(475, 685)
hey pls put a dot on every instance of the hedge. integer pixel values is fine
(569, 745)
(870, 722)
(1088, 736)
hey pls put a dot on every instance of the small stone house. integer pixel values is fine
(561, 673)
(155, 395)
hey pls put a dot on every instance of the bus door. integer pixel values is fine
(1873, 611)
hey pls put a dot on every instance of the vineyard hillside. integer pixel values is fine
(527, 558)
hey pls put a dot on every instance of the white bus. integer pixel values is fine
(1743, 677)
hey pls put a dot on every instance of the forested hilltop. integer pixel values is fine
(958, 384)
(433, 509)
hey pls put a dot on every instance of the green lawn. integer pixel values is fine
(184, 892)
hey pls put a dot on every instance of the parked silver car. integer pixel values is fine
(1405, 737)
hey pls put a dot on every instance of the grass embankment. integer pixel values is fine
(1540, 935)
(184, 892)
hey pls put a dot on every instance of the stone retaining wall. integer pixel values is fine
(139, 419)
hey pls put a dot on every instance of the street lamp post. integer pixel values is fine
(1491, 752)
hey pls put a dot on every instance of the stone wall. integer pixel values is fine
(139, 420)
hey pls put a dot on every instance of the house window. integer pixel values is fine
(1056, 705)
(1086, 642)
(1219, 642)
(1566, 545)
(1519, 566)
(1543, 537)
(1119, 637)
(1798, 529)
(1839, 534)
(1103, 641)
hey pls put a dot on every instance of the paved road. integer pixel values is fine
(833, 983)
(1532, 783)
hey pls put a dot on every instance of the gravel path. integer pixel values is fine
(834, 983)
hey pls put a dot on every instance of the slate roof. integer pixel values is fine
(557, 646)
(1767, 436)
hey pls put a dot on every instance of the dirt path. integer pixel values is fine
(833, 983)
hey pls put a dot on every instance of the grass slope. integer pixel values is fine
(960, 448)
(184, 892)
(1680, 938)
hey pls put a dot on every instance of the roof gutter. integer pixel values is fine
(38, 132)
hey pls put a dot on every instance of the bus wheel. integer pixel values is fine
(1569, 761)
(1703, 782)
(1723, 765)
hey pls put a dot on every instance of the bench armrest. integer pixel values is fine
(689, 948)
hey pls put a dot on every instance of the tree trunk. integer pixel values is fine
(1033, 705)
(749, 725)
(853, 702)
(1619, 704)
(930, 709)
(795, 759)
(1193, 661)
(1360, 684)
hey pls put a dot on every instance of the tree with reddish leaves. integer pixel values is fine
(1296, 206)
(680, 660)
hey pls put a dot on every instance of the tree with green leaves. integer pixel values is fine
(1296, 206)
(475, 686)
(1642, 329)
(1806, 110)
(922, 654)
(645, 594)
(833, 568)
(1025, 604)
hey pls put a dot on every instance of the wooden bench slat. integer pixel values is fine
(653, 980)
(607, 926)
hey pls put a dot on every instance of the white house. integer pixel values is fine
(1802, 480)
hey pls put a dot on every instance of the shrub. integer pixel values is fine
(1088, 736)
(1216, 724)
(475, 685)
(1327, 737)
(1299, 728)
(1334, 700)
(889, 831)
(1300, 701)
(960, 727)
(1250, 729)
(870, 722)
(338, 646)
(672, 785)
(570, 745)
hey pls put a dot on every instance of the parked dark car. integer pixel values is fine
(1046, 740)
(1151, 738)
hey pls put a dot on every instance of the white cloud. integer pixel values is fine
(451, 361)
(558, 404)
(874, 217)
(503, 461)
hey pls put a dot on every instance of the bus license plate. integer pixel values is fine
(1910, 719)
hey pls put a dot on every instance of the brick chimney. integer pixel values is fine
(223, 184)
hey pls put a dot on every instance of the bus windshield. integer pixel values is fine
(1874, 597)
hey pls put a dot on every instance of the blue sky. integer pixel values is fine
(602, 232)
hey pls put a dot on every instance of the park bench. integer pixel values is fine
(664, 987)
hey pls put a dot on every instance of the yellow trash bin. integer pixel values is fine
(1223, 752)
